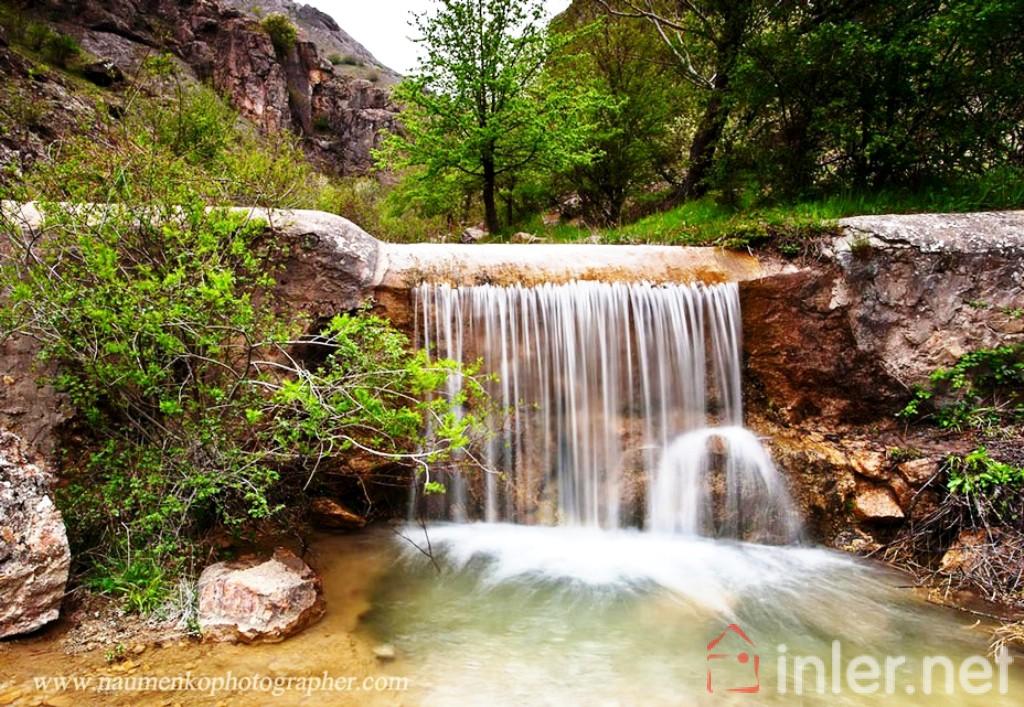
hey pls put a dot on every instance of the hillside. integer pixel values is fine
(296, 88)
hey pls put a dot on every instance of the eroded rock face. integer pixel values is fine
(834, 347)
(34, 554)
(341, 116)
(891, 299)
(259, 601)
(924, 289)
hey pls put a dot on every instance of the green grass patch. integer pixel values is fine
(707, 221)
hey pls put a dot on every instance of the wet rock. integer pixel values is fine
(970, 549)
(918, 471)
(328, 513)
(877, 504)
(259, 601)
(103, 73)
(34, 553)
(871, 464)
(856, 541)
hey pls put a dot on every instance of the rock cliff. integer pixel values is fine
(339, 117)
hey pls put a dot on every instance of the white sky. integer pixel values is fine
(382, 26)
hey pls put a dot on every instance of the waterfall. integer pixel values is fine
(612, 404)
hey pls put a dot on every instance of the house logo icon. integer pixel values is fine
(742, 667)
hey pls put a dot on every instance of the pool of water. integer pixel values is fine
(509, 615)
(493, 614)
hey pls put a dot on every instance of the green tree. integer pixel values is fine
(626, 62)
(482, 113)
(707, 38)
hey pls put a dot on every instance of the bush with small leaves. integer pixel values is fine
(60, 49)
(158, 316)
(281, 30)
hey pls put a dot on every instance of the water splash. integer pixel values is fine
(720, 482)
(594, 382)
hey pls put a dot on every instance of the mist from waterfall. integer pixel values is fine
(614, 405)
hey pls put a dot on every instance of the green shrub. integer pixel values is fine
(977, 473)
(160, 318)
(60, 49)
(140, 583)
(163, 329)
(36, 34)
(199, 127)
(347, 60)
(281, 30)
(898, 455)
(983, 389)
(365, 200)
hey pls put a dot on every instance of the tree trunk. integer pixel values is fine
(712, 124)
(703, 146)
(490, 189)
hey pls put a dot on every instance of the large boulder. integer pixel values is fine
(34, 553)
(333, 264)
(259, 601)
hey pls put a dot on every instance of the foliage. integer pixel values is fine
(976, 473)
(35, 35)
(344, 59)
(482, 114)
(141, 584)
(751, 223)
(60, 49)
(620, 60)
(282, 31)
(159, 316)
(793, 98)
(381, 210)
(898, 455)
(116, 653)
(983, 389)
(186, 139)
(977, 518)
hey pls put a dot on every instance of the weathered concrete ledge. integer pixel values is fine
(351, 262)
(506, 264)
